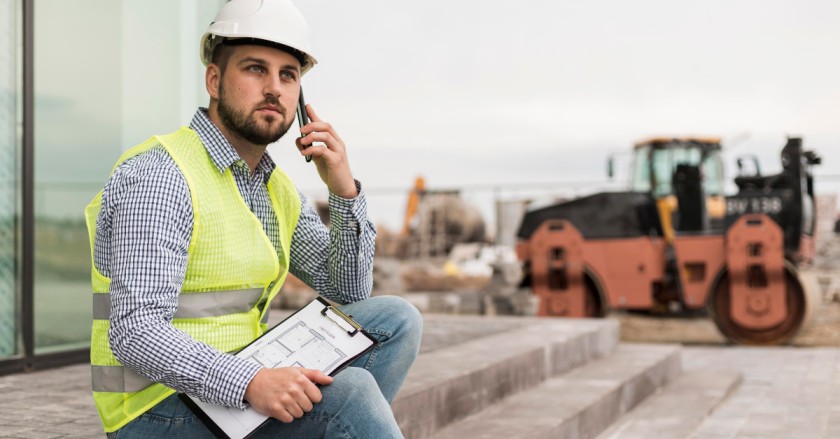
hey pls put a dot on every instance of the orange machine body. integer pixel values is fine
(627, 273)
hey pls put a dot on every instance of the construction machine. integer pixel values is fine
(437, 220)
(675, 241)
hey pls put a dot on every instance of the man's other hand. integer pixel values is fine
(285, 393)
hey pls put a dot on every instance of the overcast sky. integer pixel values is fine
(478, 92)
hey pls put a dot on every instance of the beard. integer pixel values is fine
(246, 125)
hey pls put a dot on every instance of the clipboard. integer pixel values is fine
(317, 336)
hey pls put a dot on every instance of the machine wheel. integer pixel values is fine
(797, 308)
(594, 303)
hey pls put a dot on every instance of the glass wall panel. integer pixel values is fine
(10, 147)
(108, 74)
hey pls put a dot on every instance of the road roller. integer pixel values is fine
(674, 241)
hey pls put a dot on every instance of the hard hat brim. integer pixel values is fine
(210, 42)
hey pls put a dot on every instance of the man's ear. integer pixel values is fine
(212, 79)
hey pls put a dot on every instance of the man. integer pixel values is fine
(194, 234)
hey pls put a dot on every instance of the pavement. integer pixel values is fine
(785, 393)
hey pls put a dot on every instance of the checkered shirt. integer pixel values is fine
(142, 235)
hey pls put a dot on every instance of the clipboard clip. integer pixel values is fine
(356, 327)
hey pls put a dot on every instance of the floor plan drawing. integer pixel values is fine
(299, 346)
(317, 336)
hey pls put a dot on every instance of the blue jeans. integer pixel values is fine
(355, 405)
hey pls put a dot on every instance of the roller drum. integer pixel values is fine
(802, 298)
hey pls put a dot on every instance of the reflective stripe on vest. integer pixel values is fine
(195, 305)
(117, 379)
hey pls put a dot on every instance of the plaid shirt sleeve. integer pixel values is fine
(337, 263)
(143, 233)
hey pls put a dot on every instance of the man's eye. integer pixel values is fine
(289, 76)
(256, 69)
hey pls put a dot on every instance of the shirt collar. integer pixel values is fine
(220, 150)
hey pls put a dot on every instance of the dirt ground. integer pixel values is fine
(823, 329)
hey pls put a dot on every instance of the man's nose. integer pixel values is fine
(273, 86)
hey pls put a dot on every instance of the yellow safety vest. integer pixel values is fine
(231, 265)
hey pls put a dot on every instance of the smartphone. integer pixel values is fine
(302, 117)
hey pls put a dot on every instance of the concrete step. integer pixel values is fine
(580, 404)
(678, 408)
(451, 383)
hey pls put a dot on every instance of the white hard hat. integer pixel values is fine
(274, 21)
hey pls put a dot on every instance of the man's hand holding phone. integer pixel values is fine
(330, 156)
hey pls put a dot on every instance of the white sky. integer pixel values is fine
(478, 92)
